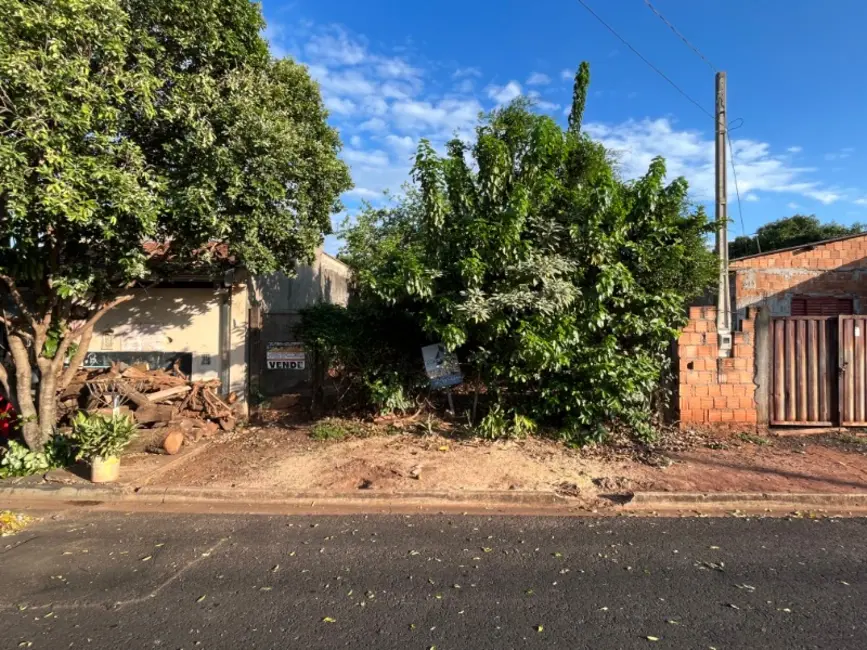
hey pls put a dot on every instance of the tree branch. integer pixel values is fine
(18, 298)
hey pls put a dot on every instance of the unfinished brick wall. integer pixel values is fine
(714, 391)
(835, 268)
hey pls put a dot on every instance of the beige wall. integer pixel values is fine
(326, 280)
(181, 320)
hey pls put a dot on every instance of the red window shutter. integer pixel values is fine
(822, 306)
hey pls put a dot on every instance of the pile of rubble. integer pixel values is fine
(164, 402)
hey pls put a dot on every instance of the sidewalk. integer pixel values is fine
(280, 466)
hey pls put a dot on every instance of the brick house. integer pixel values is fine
(799, 355)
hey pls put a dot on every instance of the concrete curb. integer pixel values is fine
(543, 502)
(651, 500)
(540, 499)
(222, 496)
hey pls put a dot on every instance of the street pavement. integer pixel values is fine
(85, 579)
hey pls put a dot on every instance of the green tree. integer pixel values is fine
(123, 121)
(790, 231)
(561, 284)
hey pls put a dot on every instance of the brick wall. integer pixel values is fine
(836, 268)
(716, 392)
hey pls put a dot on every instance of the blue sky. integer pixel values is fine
(393, 72)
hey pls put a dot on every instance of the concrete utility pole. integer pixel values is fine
(724, 314)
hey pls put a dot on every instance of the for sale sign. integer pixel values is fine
(283, 355)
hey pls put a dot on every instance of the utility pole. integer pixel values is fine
(723, 314)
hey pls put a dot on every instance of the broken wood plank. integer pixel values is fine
(155, 413)
(137, 398)
(168, 393)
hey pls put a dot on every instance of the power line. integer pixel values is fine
(737, 191)
(676, 87)
(680, 36)
(641, 56)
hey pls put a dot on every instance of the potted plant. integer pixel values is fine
(100, 440)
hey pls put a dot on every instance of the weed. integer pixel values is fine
(755, 440)
(328, 430)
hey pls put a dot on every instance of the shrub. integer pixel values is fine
(375, 353)
(98, 436)
(19, 460)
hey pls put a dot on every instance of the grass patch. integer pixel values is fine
(756, 440)
(13, 522)
(339, 429)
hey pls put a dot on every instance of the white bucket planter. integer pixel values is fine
(104, 470)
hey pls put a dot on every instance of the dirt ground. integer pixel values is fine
(284, 457)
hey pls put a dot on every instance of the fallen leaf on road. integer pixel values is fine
(540, 628)
(557, 554)
(275, 568)
(444, 448)
(733, 606)
(264, 588)
(146, 558)
(328, 619)
(412, 626)
(485, 549)
(652, 638)
(200, 599)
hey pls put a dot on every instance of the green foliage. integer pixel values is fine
(19, 460)
(561, 285)
(329, 430)
(99, 436)
(387, 395)
(125, 121)
(376, 352)
(790, 231)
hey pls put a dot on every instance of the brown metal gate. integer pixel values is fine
(853, 380)
(804, 365)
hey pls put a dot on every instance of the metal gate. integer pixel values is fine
(804, 367)
(853, 380)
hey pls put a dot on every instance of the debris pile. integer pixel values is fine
(176, 409)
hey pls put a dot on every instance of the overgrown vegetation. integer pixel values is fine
(559, 284)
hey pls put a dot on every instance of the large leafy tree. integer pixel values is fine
(796, 230)
(123, 121)
(561, 284)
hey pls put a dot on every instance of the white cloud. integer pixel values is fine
(567, 75)
(375, 158)
(444, 116)
(334, 46)
(466, 72)
(339, 106)
(465, 86)
(538, 79)
(795, 149)
(752, 198)
(861, 201)
(690, 153)
(541, 103)
(373, 124)
(355, 141)
(347, 82)
(504, 94)
(363, 193)
(402, 145)
(397, 69)
(792, 205)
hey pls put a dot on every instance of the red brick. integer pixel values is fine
(725, 415)
(714, 416)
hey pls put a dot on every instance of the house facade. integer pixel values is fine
(214, 330)
(798, 356)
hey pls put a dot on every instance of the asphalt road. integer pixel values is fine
(109, 580)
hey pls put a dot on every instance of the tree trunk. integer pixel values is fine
(47, 407)
(77, 358)
(24, 394)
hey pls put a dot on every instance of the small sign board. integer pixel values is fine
(441, 366)
(284, 355)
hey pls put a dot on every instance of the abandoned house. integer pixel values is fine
(798, 356)
(226, 330)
